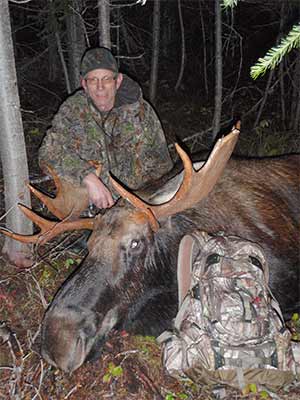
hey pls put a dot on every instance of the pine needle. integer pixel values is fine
(229, 3)
(276, 53)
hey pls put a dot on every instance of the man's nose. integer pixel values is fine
(100, 84)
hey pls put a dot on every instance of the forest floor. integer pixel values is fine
(130, 366)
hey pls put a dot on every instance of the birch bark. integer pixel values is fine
(12, 145)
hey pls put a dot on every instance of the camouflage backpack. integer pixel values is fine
(229, 328)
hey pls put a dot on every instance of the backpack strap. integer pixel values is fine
(184, 266)
(189, 248)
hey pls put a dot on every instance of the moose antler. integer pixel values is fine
(49, 229)
(196, 185)
(69, 202)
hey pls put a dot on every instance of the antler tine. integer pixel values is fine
(49, 229)
(69, 201)
(49, 202)
(55, 177)
(39, 221)
(20, 238)
(146, 208)
(136, 202)
(188, 172)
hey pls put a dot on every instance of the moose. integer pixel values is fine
(128, 279)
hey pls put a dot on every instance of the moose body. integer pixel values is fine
(128, 280)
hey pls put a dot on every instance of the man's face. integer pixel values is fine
(102, 85)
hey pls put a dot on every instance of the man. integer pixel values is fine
(108, 122)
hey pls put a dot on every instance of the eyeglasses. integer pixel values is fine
(105, 81)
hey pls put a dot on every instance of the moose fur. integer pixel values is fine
(128, 280)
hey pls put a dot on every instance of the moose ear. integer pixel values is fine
(184, 267)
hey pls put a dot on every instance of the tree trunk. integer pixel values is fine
(75, 42)
(218, 69)
(155, 49)
(53, 62)
(63, 61)
(59, 46)
(13, 150)
(204, 44)
(127, 40)
(264, 99)
(295, 106)
(281, 69)
(104, 23)
(182, 46)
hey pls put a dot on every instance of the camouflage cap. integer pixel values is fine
(98, 58)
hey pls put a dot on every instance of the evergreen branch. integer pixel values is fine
(229, 3)
(276, 53)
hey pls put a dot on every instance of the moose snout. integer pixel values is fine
(69, 334)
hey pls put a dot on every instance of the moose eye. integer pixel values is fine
(134, 244)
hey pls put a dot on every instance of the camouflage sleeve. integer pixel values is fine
(61, 143)
(153, 146)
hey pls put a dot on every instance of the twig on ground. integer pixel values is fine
(41, 294)
(71, 391)
(142, 376)
(17, 354)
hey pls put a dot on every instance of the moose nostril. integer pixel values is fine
(74, 358)
(88, 331)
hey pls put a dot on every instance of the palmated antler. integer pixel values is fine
(196, 185)
(67, 206)
(70, 200)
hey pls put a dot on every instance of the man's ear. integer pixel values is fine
(83, 84)
(119, 80)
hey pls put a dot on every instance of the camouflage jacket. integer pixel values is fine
(128, 140)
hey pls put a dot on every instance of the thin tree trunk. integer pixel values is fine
(264, 99)
(104, 23)
(218, 69)
(53, 63)
(59, 47)
(76, 42)
(13, 150)
(116, 18)
(155, 49)
(182, 46)
(63, 62)
(204, 49)
(296, 124)
(267, 90)
(295, 106)
(54, 68)
(126, 39)
(281, 71)
(282, 95)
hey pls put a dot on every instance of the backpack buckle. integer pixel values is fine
(195, 292)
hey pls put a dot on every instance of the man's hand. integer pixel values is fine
(98, 193)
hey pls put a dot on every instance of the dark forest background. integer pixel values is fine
(49, 38)
(267, 107)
